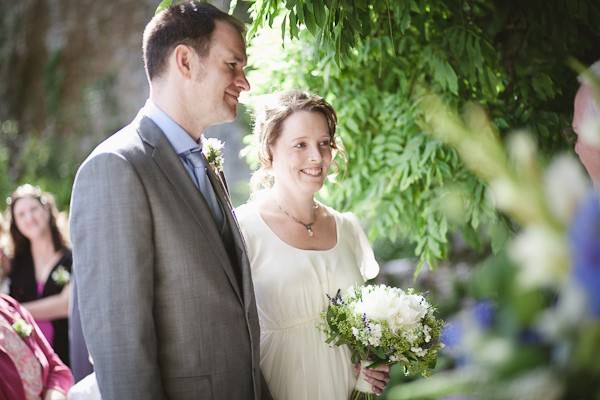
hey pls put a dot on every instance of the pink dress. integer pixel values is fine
(28, 365)
(45, 325)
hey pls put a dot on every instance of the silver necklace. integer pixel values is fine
(306, 226)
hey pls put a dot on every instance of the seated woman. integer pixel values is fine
(29, 367)
(41, 266)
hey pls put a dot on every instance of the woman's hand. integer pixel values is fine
(52, 394)
(378, 377)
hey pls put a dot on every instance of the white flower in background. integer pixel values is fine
(567, 315)
(540, 383)
(565, 186)
(542, 255)
(522, 149)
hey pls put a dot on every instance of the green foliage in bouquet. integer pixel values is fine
(385, 325)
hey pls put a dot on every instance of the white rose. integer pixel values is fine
(378, 303)
(412, 308)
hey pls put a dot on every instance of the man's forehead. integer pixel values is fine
(229, 41)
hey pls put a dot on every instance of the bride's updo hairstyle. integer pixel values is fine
(269, 118)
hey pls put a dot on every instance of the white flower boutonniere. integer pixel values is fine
(22, 328)
(213, 152)
(61, 276)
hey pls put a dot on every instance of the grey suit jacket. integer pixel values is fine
(163, 310)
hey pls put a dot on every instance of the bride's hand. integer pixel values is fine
(378, 377)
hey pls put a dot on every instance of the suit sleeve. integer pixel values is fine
(111, 231)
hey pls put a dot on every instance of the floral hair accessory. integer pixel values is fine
(212, 149)
(22, 328)
(61, 276)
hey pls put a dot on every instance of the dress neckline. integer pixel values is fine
(280, 240)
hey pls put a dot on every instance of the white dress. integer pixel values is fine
(291, 288)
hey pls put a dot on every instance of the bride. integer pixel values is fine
(301, 251)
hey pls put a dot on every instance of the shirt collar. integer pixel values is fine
(180, 140)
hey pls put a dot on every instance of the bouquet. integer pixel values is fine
(383, 325)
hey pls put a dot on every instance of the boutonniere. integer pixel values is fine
(22, 328)
(213, 152)
(61, 276)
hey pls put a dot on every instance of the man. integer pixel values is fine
(586, 124)
(166, 298)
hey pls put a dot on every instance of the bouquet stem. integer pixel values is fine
(363, 389)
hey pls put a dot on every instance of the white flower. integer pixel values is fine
(22, 328)
(212, 149)
(61, 276)
(565, 186)
(426, 332)
(419, 352)
(522, 149)
(400, 310)
(542, 255)
(375, 335)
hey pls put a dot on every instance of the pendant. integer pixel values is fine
(310, 231)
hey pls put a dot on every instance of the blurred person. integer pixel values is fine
(4, 258)
(29, 367)
(165, 292)
(586, 124)
(301, 251)
(41, 264)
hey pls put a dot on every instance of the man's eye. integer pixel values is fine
(231, 66)
(299, 145)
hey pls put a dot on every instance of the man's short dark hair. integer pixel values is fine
(190, 23)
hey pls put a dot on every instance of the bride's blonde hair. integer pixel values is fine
(269, 118)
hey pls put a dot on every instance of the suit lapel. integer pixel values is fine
(244, 265)
(169, 163)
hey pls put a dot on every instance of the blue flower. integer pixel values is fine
(451, 334)
(484, 312)
(584, 235)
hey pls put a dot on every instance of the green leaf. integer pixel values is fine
(163, 5)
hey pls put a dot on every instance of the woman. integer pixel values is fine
(41, 265)
(29, 368)
(300, 251)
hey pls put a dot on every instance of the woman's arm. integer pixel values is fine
(51, 307)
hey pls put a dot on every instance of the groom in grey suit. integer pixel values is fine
(166, 298)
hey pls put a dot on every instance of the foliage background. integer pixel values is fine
(372, 59)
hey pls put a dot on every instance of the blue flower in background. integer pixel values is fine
(584, 235)
(451, 334)
(483, 312)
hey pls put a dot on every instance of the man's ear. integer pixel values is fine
(182, 59)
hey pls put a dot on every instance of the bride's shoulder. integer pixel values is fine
(245, 211)
(346, 218)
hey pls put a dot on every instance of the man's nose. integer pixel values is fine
(241, 82)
